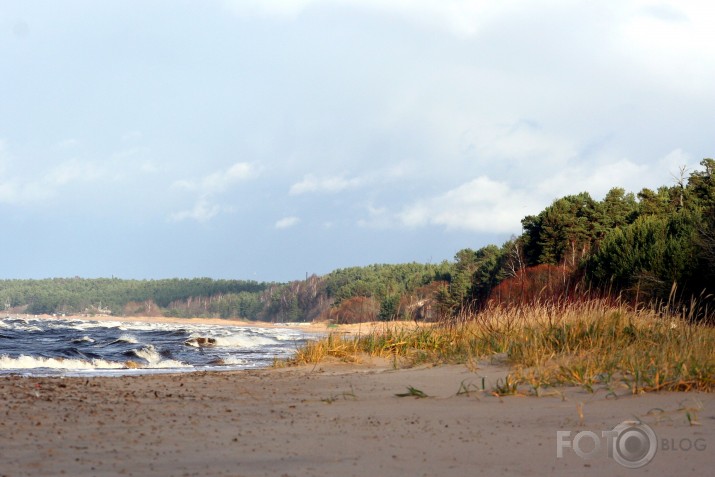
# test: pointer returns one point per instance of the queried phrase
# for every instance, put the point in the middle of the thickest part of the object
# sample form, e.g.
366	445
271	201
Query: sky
270	139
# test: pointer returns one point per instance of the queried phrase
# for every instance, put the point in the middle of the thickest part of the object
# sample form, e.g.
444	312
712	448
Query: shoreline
312	327
179	321
330	419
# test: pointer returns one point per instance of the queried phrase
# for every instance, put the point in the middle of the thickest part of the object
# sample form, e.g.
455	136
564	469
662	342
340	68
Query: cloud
71	171
311	183
220	181
210	186
379	217
39	186
485	204
480	205
202	211
287	222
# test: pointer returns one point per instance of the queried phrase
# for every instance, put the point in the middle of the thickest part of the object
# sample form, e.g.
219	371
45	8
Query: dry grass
593	344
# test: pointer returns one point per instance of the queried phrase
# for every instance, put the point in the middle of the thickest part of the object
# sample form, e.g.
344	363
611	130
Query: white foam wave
32	362
84	339
155	360
288	335
233	360
243	341
125	338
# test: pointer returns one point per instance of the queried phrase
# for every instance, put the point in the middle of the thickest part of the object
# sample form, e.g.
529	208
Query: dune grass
593	344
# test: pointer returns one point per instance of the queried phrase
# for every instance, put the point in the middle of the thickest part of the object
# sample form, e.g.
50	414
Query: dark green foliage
382	281
389	308
668	253
473	276
243	304
701	185
564	231
78	295
649	255
662	202
617	209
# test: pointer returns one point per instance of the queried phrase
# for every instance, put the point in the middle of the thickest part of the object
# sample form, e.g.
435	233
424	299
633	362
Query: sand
312	327
331	420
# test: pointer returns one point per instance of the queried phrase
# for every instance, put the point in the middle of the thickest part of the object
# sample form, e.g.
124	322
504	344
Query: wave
229	361
230	341
154	358
126	339
32	362
70	346
84	339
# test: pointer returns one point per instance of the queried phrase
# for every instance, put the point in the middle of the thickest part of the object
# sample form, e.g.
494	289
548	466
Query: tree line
654	246
111	295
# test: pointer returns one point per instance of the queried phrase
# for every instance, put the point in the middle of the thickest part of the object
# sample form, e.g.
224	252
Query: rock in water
201	342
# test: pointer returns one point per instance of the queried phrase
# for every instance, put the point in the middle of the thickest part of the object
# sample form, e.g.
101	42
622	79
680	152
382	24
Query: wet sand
330	420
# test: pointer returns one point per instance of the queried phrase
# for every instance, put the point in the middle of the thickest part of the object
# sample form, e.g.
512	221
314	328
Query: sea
69	347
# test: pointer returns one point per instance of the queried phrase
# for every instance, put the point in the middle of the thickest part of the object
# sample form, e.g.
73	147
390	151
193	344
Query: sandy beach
332	419
312	327
193	321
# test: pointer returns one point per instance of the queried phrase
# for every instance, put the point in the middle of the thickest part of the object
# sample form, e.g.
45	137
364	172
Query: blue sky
264	140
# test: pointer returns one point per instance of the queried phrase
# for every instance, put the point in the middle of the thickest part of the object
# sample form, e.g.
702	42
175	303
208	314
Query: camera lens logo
633	444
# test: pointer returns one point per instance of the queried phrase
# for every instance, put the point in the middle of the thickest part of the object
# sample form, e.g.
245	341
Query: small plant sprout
412	392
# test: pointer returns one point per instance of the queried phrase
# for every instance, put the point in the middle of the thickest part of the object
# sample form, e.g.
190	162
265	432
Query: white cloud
311	183
594	179
480	205
378	217
32	188
208	187
287	222
203	211
488	205
73	170
219	181
597	177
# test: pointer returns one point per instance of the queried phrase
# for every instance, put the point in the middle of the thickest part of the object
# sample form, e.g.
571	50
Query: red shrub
358	309
537	284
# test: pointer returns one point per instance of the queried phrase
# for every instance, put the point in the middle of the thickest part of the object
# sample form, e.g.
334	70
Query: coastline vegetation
594	344
597	293
651	247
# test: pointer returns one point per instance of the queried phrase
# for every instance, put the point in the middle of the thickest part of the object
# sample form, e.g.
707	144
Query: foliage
593	343
649	255
657	245
357	309
111	295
